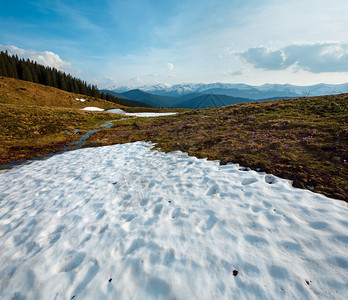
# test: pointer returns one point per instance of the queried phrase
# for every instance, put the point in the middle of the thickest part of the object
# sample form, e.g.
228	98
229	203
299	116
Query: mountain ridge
189	95
151	99
186	88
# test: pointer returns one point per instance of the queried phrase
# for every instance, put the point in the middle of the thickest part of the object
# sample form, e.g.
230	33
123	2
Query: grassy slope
14	91
27	132
18	92
36	120
303	139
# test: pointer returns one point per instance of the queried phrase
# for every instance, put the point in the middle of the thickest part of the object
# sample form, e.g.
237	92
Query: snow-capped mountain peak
241	90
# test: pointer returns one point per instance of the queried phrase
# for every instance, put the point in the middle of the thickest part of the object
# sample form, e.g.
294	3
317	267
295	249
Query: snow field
149	114
125	222
92	108
122	112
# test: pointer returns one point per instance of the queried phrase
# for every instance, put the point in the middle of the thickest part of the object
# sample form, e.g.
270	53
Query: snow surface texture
125	222
82	100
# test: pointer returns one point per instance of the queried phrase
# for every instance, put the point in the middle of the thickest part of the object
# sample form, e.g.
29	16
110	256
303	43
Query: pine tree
54	77
94	91
3	71
20	69
26	75
14	67
46	77
61	82
69	84
33	71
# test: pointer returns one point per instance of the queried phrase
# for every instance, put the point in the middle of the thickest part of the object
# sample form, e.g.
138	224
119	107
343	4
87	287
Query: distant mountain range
200	95
127	101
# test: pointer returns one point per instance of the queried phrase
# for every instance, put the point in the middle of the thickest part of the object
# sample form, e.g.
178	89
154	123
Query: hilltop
20	92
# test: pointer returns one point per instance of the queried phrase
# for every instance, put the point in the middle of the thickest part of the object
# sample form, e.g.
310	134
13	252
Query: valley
303	139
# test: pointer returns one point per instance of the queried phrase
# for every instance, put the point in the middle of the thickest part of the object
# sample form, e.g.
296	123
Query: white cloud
236	73
45	58
264	58
315	58
106	82
202	50
170	66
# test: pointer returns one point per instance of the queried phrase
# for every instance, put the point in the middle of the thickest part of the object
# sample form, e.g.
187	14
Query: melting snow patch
125	222
116	111
144	114
91	108
139	114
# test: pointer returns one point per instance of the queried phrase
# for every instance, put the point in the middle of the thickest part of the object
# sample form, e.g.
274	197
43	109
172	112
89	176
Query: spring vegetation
36	120
304	140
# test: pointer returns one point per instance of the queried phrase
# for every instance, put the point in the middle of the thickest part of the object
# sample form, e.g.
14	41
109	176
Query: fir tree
26	75
61	82
3	71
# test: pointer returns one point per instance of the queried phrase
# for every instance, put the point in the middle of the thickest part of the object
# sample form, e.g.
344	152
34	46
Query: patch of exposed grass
27	132
303	139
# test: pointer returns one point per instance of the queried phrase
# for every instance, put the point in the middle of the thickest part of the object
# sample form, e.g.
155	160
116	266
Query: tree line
12	66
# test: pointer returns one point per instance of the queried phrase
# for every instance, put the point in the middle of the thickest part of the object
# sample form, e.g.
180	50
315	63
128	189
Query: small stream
82	140
73	146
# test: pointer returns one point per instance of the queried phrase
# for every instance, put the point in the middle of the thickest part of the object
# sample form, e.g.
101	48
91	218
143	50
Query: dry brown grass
27	132
36	120
19	92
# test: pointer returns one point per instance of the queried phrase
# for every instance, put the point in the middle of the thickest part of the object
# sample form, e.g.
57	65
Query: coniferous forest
12	66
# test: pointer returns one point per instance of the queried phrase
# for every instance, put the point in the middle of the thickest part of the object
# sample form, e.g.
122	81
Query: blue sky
141	42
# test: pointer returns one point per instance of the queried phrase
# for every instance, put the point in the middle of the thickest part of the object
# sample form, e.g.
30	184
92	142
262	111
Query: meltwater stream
82	140
73	146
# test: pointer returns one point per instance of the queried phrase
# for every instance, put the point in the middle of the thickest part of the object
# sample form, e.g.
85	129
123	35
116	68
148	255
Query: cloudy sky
139	42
